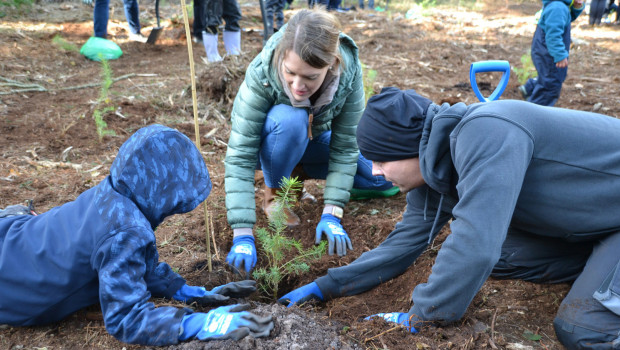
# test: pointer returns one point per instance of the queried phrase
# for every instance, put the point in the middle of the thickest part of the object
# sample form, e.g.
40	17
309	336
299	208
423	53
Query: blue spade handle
489	66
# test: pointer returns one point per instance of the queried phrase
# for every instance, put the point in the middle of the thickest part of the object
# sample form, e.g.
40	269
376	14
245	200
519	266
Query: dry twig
382	333
40	88
50	164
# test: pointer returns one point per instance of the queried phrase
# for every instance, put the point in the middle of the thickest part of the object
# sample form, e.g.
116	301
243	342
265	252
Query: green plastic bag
97	49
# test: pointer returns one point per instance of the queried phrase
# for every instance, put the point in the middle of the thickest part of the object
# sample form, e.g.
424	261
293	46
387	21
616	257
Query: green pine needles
104	101
278	248
20	5
63	44
527	70
369	77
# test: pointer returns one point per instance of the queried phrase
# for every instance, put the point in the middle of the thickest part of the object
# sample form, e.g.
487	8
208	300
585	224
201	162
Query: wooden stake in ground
196	128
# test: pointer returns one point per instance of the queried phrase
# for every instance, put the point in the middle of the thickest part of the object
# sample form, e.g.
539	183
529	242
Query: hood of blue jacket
162	172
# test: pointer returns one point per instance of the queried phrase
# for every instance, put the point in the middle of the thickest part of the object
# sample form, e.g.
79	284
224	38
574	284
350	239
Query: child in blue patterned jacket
100	248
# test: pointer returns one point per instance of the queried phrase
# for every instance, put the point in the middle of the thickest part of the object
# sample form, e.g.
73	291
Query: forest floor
51	152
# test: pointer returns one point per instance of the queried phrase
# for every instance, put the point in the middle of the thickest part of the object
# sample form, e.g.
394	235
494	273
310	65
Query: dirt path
51	152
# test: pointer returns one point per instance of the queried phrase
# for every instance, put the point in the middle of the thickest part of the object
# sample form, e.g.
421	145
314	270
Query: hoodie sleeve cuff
242	231
329	288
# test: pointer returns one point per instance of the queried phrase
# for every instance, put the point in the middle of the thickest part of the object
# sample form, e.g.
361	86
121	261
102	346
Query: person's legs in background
589	316
548	84
231	13
546	88
270	9
101	16
371	4
101	13
526	89
597	7
132	13
213	18
200	8
333	5
612	11
279	14
321	2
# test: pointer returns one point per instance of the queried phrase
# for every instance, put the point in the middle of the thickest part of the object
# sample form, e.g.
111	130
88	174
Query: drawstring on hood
435	154
430	234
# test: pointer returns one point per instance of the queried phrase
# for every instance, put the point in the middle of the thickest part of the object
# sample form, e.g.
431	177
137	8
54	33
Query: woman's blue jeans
285	143
101	15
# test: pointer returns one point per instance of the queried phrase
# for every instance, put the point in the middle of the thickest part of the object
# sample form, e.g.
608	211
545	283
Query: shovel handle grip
489	66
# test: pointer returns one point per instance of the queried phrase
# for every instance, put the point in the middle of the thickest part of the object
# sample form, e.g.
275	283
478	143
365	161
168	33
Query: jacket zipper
310	119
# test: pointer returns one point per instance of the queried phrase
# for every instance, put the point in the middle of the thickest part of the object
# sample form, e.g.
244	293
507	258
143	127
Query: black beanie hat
391	126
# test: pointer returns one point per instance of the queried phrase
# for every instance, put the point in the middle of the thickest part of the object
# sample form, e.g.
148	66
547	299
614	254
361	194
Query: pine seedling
528	70
64	44
369	77
100	124
106	77
278	248
21	5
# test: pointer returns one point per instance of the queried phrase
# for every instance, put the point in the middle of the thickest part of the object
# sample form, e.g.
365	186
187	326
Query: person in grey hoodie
533	193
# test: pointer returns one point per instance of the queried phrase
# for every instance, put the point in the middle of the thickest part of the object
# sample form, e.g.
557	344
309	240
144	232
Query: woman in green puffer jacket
296	114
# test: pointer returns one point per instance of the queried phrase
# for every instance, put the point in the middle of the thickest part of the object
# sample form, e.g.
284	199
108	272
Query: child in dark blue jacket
100	248
550	48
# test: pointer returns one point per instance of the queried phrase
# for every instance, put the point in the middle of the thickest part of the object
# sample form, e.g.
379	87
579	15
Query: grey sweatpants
582	322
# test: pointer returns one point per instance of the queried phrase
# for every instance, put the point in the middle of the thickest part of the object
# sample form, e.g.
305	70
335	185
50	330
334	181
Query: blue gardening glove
190	294
401	318
17	209
225	322
217	295
301	295
242	254
239	289
336	235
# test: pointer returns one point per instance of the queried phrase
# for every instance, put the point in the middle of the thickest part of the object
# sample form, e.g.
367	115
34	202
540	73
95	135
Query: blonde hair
314	36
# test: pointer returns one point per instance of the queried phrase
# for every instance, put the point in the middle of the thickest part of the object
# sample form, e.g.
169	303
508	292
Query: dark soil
50	152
